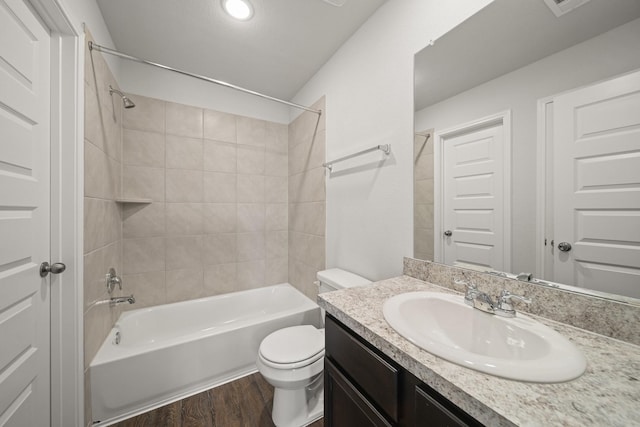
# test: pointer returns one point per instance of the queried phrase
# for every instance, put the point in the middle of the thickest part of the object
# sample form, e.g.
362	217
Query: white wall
153	82
87	12
368	85
609	54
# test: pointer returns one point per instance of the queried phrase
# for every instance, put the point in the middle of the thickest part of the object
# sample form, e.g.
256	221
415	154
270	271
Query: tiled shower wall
307	196
217	217
102	220
186	202
423	195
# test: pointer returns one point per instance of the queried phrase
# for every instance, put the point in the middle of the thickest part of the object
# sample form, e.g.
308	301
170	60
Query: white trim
541	182
67	355
438	191
503	118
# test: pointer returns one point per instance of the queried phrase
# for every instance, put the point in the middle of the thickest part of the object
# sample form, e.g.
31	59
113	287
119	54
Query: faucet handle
506	296
113	280
505	306
471	293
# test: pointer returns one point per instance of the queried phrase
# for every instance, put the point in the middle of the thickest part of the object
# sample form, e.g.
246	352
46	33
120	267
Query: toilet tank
336	278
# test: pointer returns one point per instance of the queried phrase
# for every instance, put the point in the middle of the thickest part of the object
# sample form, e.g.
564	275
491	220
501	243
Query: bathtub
168	352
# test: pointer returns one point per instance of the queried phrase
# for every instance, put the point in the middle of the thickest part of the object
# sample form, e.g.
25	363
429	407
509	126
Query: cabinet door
429	412
345	406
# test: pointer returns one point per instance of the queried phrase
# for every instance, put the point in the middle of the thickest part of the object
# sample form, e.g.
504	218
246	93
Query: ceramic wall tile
276	164
220	218
143	255
251	160
184	153
219	248
306	196
143	182
220	187
276	189
276	216
94	219
93	129
251	131
95	176
184	186
184	252
251	217
277	138
183	120
184	219
220	156
143	220
219	126
251	246
276	271
149	289
251	189
220	278
148	115
251	274
184	285
276	244
142	148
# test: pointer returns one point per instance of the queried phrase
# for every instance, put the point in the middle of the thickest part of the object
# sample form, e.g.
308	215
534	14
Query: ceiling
514	34
276	52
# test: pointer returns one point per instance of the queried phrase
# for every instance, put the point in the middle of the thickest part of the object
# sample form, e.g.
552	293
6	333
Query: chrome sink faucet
483	302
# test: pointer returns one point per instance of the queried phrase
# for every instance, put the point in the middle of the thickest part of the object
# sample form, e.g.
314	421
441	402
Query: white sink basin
518	348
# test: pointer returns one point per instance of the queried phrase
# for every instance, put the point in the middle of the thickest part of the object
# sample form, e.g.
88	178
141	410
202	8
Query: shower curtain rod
103	49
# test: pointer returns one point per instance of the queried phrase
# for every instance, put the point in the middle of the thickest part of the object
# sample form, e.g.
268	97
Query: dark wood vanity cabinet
363	388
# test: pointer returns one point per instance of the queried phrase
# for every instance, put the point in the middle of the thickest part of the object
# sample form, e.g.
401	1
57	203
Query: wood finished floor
246	402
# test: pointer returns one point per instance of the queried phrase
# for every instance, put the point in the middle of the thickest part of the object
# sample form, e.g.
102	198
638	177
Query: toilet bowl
292	361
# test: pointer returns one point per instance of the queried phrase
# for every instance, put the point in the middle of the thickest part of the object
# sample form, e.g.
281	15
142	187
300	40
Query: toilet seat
293	347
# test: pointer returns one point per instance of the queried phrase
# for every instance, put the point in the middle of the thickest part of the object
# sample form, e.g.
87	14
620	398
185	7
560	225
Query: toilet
292	361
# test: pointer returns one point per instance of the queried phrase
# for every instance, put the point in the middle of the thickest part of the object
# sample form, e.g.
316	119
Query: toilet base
298	408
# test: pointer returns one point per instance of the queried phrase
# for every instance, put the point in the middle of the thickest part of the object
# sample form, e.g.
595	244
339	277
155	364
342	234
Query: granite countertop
607	394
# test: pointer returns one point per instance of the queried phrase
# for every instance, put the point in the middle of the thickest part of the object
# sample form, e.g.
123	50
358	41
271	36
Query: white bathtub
172	351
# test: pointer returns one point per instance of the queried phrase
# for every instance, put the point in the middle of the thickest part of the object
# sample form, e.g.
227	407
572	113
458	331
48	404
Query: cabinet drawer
377	378
345	405
432	409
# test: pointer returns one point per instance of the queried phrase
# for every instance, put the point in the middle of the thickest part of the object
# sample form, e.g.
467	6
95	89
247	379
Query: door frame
504	118
543	179
67	212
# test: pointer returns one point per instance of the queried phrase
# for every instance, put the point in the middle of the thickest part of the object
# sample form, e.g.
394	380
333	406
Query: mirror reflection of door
596	191
423	194
474	227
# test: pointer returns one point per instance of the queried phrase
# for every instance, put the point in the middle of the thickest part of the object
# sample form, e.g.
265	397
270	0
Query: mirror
498	77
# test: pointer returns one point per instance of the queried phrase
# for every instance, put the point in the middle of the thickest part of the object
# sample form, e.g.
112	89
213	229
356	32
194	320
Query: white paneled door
474	195
24	217
597	186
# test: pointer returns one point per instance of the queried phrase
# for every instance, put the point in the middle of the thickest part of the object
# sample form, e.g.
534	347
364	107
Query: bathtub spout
121	300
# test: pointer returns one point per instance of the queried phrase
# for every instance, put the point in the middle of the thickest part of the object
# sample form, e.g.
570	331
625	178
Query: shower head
126	102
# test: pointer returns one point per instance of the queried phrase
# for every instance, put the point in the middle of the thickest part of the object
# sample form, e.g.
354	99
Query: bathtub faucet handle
113	280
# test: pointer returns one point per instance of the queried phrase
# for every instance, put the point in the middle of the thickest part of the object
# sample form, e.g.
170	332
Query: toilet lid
294	344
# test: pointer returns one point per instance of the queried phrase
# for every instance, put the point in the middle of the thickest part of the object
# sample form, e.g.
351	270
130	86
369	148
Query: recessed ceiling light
238	9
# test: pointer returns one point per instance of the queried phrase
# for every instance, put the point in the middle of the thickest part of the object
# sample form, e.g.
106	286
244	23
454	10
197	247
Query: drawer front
345	405
434	410
377	378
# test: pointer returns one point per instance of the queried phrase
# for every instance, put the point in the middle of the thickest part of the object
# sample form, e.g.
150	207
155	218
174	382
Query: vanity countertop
607	394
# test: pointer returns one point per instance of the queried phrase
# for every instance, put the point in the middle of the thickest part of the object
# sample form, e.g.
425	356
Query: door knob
448	233
564	246
56	268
